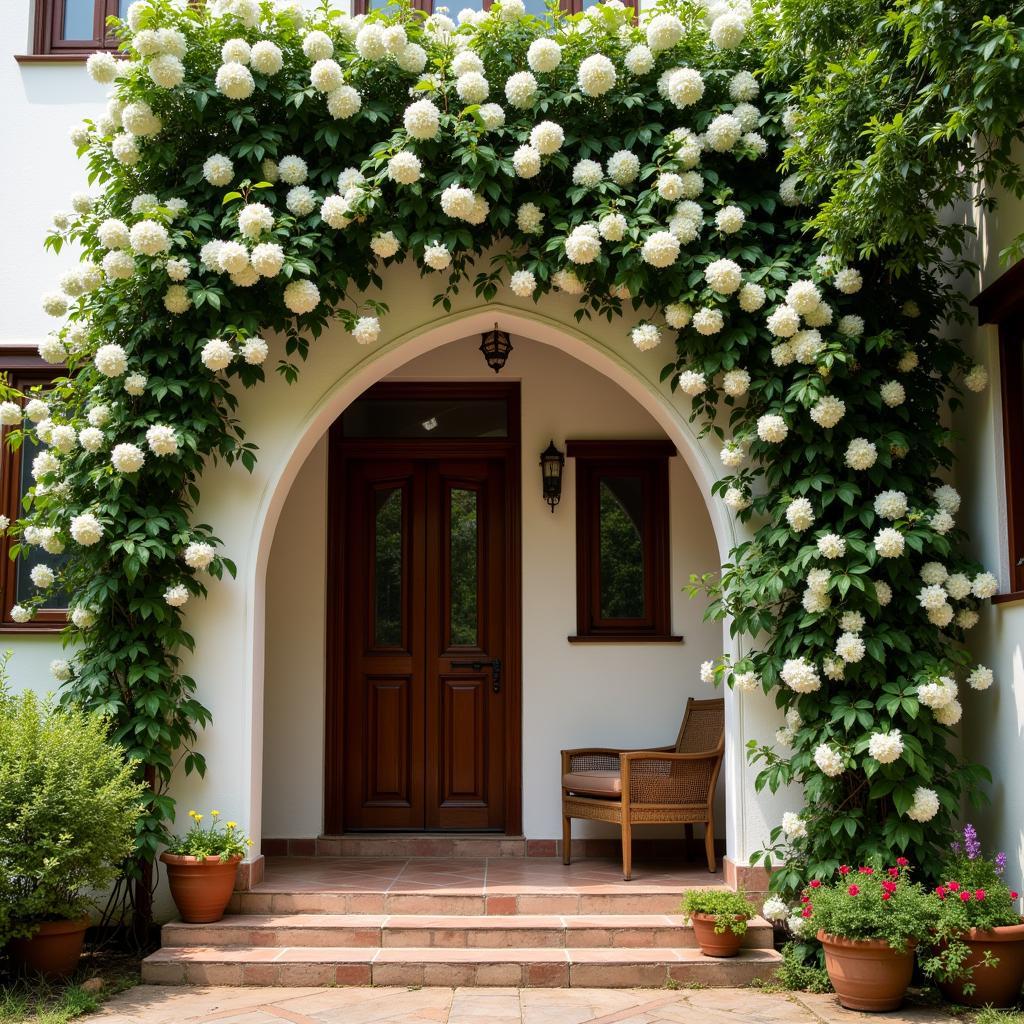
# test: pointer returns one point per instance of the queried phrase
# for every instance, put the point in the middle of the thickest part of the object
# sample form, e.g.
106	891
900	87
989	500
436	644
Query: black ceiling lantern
551	463
495	346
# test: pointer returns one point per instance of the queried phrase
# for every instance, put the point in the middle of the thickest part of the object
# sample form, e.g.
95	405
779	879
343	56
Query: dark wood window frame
24	369
648	461
47	42
1002	304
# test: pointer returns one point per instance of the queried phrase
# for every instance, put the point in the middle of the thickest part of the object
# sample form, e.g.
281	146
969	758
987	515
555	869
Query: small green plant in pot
201	867
69	806
869	921
979	956
719	918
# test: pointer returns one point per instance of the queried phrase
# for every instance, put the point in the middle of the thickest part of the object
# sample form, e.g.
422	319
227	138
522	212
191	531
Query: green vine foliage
825	384
905	109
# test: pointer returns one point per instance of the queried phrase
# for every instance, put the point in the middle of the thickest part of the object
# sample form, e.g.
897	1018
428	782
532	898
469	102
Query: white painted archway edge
286	421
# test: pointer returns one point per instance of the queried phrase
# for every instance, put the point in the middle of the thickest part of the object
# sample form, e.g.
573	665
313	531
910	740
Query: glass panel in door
387	568
463	533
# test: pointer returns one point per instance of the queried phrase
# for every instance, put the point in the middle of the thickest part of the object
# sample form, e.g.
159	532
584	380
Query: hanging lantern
495	346
551	463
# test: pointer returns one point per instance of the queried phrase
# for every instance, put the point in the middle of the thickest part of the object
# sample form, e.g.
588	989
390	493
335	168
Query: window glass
24	587
387	568
463	567
621	539
78	19
426	418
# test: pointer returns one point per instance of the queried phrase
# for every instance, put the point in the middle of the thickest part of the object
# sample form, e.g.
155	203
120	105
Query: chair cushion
596	782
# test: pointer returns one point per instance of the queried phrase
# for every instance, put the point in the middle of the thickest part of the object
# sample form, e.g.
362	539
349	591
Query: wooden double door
429	670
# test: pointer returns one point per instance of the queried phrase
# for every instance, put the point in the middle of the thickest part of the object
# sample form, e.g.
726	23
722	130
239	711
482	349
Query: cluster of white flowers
800	675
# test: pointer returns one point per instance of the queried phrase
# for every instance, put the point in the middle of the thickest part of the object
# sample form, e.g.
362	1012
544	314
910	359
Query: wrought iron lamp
551	463
495	346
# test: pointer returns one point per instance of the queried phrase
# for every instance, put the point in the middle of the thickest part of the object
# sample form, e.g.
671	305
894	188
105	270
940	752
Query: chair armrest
657	777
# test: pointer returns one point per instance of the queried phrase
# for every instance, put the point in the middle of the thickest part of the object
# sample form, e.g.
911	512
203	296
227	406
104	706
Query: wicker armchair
665	785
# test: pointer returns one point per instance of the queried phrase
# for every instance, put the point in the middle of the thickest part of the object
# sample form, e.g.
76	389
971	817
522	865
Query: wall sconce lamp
495	346
551	463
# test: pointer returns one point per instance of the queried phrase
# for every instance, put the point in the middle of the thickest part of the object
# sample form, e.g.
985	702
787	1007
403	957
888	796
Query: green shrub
69	805
731	910
801	969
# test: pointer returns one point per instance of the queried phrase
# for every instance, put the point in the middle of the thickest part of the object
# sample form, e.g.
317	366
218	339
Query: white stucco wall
993	722
573	694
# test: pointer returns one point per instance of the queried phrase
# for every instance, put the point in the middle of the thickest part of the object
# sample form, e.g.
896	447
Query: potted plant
201	867
69	805
978	958
869	921
719	918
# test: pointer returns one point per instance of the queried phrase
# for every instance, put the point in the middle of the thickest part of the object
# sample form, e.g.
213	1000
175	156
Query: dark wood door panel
423	697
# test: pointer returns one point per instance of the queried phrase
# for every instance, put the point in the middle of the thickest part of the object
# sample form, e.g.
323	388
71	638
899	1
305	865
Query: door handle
494	665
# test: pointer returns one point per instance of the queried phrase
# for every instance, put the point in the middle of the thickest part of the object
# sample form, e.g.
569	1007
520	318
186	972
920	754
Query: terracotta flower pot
866	973
998	985
201	887
711	943
54	950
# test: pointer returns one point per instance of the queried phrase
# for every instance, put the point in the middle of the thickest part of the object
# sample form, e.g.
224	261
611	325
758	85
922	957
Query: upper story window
622	541
74	28
1002	303
25	371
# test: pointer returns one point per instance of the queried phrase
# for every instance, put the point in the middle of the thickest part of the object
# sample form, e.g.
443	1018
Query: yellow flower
232	824
191	814
248	842
214	814
198	818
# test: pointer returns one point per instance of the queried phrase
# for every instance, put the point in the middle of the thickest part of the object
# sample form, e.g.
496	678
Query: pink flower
886	895
894	872
853	890
844	869
816	884
941	892
902	861
1013	895
965	896
979	894
866	871
953	886
807	911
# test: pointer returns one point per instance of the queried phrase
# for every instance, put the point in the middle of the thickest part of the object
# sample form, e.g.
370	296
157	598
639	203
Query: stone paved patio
158	1005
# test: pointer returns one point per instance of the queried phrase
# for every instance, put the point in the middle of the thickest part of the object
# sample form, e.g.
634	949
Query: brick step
653	931
631	899
402	844
545	967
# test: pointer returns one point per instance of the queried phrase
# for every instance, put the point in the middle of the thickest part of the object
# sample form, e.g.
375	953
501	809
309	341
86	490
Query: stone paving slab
149	1004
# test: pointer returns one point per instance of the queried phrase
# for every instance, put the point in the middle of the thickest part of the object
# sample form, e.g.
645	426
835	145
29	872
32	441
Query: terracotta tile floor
491	876
159	1005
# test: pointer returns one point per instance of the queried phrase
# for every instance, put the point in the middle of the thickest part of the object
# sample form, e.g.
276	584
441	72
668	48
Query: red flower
853	890
902	861
886	895
1013	895
816	884
866	871
807	911
889	887
965	896
941	892
894	872
804	898
952	886
979	894
844	869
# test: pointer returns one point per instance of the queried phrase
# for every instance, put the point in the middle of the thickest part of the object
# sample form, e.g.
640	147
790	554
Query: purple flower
971	843
956	847
1000	863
